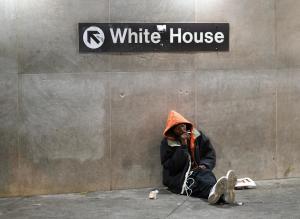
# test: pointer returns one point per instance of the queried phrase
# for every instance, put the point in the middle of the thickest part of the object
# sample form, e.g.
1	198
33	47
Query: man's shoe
217	190
231	181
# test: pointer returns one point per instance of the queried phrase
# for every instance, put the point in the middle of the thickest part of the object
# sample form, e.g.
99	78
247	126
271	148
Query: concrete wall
73	122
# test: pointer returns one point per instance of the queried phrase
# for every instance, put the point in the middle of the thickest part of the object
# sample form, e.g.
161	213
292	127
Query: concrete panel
170	11
237	111
8	132
8	52
152	11
127	11
288	126
140	105
145	62
252	33
64	133
48	35
288	33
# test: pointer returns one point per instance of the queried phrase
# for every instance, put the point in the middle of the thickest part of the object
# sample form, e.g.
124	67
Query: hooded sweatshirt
176	158
175	119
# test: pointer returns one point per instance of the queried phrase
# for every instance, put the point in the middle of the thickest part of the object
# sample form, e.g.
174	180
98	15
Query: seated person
188	158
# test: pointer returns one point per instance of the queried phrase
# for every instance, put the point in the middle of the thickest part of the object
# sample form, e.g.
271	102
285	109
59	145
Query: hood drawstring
186	186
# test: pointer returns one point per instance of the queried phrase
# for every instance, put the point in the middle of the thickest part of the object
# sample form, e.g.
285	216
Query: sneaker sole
219	190
231	181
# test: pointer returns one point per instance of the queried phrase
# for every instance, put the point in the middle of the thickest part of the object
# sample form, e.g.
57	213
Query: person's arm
209	154
173	159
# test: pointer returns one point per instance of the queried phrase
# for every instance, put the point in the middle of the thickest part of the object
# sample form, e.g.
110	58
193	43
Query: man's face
180	129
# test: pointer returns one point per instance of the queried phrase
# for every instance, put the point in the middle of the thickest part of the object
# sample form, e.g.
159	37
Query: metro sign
135	37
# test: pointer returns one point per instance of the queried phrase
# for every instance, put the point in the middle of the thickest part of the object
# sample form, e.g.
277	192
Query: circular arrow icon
93	37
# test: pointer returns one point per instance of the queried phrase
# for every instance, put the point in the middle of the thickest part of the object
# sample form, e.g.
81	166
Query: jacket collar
173	143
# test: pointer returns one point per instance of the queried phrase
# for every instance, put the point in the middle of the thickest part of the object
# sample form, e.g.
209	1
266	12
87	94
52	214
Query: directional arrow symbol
92	35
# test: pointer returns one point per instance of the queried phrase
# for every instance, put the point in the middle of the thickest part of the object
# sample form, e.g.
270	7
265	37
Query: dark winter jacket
176	159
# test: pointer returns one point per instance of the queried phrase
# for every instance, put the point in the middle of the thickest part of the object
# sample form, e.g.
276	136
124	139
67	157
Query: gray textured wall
73	122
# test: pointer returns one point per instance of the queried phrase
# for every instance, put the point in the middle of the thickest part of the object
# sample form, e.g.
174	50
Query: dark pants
204	180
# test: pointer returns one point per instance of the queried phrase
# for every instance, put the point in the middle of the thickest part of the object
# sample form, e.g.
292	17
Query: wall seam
276	133
195	75
19	95
196	97
275	36
276	90
109	11
110	109
170	71
110	125
196	11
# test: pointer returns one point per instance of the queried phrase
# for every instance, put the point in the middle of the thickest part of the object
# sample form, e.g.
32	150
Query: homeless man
188	159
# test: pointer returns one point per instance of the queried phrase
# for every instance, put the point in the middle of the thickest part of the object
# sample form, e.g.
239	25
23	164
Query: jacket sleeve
173	158
209	155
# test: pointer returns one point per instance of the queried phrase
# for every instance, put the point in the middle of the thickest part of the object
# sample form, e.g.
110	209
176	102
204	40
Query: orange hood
174	119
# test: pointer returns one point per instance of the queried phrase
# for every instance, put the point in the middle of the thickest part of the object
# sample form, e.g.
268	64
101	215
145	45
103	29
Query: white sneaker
217	190
231	181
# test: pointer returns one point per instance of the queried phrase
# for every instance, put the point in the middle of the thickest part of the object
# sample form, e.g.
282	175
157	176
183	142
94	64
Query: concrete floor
271	199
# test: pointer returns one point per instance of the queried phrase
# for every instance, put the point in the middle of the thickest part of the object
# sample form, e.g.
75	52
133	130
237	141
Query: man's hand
184	138
200	167
203	167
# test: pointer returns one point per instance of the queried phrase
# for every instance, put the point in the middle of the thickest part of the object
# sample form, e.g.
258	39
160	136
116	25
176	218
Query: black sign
147	37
